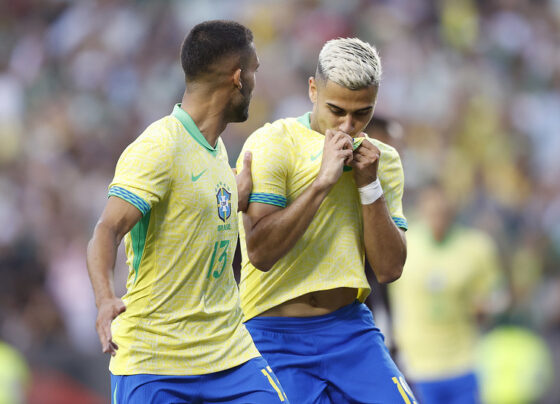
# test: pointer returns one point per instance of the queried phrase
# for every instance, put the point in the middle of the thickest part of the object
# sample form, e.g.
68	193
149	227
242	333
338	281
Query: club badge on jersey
223	198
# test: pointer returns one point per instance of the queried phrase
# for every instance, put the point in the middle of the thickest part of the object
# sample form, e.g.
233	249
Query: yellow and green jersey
434	302
183	314
286	159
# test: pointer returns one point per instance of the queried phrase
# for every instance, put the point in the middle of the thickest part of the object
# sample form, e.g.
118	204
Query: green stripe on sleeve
131	198
400	222
271	199
138	238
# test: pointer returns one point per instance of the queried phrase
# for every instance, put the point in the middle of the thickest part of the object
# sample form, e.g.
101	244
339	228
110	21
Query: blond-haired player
322	202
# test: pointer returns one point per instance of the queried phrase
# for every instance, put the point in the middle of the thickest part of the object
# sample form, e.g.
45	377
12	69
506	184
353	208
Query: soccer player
177	334
453	279
317	208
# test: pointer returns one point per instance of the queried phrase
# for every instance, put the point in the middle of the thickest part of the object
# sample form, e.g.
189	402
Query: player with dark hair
325	196
177	334
385	130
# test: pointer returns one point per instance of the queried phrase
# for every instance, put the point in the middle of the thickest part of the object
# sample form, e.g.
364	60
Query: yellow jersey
15	376
183	314
433	303
330	254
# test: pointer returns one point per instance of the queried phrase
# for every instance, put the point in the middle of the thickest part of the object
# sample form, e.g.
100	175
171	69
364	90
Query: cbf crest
223	199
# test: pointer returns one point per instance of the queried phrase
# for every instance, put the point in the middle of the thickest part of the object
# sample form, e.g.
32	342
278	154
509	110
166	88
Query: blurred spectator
452	279
514	365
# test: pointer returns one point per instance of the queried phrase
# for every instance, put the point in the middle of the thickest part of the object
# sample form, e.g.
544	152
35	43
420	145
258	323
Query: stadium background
474	84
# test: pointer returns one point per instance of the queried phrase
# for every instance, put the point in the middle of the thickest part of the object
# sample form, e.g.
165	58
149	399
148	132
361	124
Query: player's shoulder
161	132
476	238
156	139
390	165
158	131
387	151
164	129
277	132
278	128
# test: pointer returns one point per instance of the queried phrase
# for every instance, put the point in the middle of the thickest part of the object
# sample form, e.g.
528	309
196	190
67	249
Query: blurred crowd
475	86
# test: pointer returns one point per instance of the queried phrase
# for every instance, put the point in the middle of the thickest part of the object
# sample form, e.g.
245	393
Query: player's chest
307	161
307	158
205	186
443	271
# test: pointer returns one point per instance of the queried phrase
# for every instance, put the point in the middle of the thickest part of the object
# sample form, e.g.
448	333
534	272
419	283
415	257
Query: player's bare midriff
314	303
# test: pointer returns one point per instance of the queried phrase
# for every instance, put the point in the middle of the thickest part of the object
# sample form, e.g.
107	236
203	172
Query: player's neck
313	124
207	112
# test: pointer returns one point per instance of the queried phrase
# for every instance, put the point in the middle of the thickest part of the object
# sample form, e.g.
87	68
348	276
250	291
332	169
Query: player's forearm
101	257
385	243
273	236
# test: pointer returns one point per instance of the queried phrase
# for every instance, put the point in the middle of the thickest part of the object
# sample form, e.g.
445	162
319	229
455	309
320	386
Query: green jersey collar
192	129
305	120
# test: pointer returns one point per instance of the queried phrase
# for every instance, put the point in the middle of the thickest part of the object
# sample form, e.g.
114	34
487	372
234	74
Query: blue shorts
337	358
455	390
250	383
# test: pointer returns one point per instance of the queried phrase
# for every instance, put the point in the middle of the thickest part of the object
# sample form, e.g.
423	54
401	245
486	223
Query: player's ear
237	79
312	90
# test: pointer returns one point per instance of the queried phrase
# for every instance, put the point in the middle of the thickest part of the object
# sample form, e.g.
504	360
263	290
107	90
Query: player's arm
489	290
272	231
244	183
385	243
117	219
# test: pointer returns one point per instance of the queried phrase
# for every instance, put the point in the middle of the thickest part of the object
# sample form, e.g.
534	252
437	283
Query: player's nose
346	125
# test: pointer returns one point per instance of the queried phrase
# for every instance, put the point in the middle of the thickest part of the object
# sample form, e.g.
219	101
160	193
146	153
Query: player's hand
365	163
337	152
108	310
244	182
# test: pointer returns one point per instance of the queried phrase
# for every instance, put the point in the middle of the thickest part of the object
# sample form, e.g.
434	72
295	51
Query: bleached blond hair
349	62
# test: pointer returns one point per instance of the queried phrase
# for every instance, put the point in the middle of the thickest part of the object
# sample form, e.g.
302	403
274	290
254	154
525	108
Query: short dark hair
379	122
385	124
209	41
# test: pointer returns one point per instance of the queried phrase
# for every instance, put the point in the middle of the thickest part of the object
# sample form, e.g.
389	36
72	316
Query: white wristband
371	192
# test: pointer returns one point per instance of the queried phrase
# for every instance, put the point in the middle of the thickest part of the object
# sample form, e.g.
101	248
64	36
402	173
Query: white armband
371	192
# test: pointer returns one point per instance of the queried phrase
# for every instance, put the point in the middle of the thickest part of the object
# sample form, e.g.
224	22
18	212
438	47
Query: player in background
317	209
177	334
386	130
453	280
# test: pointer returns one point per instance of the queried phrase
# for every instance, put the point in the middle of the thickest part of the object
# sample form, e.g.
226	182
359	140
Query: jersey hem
115	370
252	311
430	375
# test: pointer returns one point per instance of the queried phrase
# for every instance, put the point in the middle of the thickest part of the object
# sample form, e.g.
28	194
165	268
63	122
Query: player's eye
362	112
